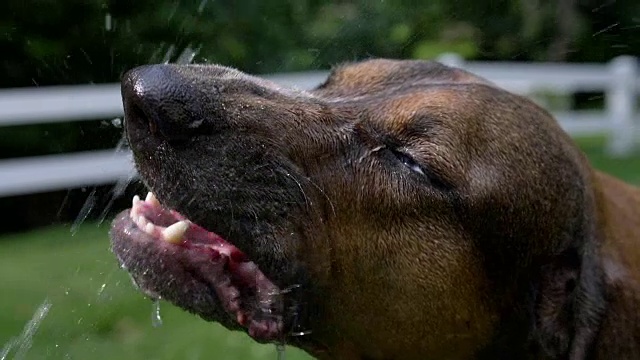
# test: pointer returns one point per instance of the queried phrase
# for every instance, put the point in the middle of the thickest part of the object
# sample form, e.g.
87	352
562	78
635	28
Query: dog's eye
408	161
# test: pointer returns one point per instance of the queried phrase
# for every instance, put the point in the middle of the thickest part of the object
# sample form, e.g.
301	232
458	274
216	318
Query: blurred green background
95	313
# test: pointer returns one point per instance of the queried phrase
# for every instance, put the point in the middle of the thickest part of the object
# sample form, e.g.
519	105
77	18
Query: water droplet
156	319
167	56
301	332
102	289
108	22
203	3
84	211
187	55
117	122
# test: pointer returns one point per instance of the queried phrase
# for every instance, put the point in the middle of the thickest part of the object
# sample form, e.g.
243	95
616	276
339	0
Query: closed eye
408	161
426	173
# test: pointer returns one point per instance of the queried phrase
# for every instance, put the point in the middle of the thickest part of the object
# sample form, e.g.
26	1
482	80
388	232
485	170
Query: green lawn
96	313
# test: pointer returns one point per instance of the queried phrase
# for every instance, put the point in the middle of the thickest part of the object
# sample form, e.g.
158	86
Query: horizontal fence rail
619	80
55	172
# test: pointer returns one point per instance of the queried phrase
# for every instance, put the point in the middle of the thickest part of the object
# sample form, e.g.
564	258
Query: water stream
23	342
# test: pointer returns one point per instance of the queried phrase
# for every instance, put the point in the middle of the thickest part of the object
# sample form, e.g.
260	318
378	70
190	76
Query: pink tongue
198	235
228	277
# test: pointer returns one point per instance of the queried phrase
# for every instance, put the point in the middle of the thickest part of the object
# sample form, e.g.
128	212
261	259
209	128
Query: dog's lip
243	290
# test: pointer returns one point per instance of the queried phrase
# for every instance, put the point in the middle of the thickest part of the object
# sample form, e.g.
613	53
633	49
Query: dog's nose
159	102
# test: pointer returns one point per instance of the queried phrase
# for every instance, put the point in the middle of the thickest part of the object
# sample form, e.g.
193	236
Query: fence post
620	104
451	59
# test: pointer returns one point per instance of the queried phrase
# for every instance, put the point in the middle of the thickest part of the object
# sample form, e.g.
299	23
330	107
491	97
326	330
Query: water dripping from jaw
297	328
156	319
280	350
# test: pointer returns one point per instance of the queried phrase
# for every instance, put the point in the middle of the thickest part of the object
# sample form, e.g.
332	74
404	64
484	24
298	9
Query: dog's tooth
149	228
142	221
135	206
151	199
175	232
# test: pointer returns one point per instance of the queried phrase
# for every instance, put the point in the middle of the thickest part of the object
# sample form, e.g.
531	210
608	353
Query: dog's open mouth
185	252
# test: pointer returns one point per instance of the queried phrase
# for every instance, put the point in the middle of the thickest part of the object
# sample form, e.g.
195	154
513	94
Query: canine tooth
151	199
149	228
175	232
136	199
142	221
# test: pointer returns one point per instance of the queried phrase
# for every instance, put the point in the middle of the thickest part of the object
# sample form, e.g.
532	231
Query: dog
400	210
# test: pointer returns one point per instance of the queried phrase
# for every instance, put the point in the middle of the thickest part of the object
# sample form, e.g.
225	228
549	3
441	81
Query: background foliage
53	42
49	42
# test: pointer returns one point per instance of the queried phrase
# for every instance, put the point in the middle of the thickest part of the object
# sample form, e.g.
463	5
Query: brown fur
510	246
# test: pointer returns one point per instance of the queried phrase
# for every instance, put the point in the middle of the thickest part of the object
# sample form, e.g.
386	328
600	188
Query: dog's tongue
241	287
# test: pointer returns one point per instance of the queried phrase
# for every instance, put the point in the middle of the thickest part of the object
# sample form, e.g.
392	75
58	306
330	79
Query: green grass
97	314
626	168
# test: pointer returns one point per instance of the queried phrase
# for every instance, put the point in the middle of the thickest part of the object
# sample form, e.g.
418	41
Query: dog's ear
569	300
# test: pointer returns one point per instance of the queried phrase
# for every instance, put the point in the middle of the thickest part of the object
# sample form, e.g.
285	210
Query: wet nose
158	102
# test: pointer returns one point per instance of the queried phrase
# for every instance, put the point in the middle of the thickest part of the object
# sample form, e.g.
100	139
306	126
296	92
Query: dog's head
402	207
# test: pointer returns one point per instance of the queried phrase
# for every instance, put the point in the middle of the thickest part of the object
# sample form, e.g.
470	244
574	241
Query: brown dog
401	210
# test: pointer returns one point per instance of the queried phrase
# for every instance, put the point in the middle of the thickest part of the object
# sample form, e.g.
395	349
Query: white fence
619	120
